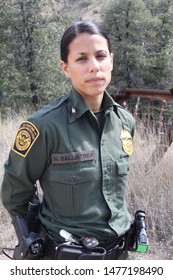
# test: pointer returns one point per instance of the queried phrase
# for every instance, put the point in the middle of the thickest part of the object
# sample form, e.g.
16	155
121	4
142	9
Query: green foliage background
30	30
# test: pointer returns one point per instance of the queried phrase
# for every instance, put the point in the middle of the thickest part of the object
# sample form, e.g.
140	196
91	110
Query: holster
21	252
30	244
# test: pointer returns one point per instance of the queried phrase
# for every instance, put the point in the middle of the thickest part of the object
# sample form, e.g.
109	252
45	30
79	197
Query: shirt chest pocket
76	173
70	184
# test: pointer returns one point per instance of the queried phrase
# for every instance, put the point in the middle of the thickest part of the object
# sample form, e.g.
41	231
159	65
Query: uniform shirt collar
77	106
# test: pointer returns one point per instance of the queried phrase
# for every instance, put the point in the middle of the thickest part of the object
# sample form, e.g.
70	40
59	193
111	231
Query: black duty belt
114	247
53	250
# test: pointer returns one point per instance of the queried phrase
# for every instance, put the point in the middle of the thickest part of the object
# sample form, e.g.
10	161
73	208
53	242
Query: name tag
73	157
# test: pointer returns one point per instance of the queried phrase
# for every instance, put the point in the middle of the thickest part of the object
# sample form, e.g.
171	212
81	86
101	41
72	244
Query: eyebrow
82	53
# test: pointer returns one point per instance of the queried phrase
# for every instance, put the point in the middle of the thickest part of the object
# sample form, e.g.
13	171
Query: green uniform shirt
82	168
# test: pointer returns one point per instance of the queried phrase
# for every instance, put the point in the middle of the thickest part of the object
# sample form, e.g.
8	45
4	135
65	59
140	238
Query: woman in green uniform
78	149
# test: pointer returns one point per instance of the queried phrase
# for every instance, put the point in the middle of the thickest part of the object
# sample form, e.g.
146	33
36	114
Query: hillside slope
84	9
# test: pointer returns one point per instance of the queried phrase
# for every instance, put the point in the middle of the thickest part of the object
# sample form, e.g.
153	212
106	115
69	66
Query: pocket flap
122	167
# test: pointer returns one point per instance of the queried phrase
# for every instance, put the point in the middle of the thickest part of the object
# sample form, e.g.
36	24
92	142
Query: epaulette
50	107
125	116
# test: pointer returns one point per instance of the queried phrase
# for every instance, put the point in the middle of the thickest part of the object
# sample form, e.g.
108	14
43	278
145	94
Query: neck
94	103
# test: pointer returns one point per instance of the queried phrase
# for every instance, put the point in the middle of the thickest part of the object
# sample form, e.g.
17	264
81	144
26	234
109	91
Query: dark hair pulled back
74	30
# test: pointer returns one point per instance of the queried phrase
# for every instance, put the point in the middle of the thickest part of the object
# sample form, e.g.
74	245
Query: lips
95	80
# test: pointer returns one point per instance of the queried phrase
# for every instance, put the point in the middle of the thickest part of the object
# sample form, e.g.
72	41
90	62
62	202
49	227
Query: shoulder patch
25	138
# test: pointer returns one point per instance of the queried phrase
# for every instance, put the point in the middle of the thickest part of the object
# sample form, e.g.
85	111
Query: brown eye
81	59
101	56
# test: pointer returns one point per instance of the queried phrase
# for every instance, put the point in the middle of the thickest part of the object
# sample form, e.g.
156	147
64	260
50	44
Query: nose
94	65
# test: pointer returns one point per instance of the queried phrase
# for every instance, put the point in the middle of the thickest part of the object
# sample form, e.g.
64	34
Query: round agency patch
25	138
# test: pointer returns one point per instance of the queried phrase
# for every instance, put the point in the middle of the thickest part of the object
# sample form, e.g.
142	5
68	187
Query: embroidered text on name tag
73	157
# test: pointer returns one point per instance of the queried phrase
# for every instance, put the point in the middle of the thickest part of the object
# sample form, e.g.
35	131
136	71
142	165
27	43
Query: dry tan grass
151	192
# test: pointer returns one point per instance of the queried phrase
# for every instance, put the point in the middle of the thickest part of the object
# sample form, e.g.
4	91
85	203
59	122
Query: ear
64	67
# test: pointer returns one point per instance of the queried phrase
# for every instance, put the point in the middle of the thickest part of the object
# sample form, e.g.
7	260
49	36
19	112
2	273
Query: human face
89	64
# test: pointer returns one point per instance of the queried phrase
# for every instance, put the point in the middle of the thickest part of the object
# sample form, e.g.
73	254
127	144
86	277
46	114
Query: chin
99	91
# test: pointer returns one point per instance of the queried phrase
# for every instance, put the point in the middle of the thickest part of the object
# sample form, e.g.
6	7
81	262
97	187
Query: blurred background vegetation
140	31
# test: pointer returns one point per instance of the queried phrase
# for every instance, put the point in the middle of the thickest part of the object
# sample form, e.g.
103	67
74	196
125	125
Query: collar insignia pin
73	110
